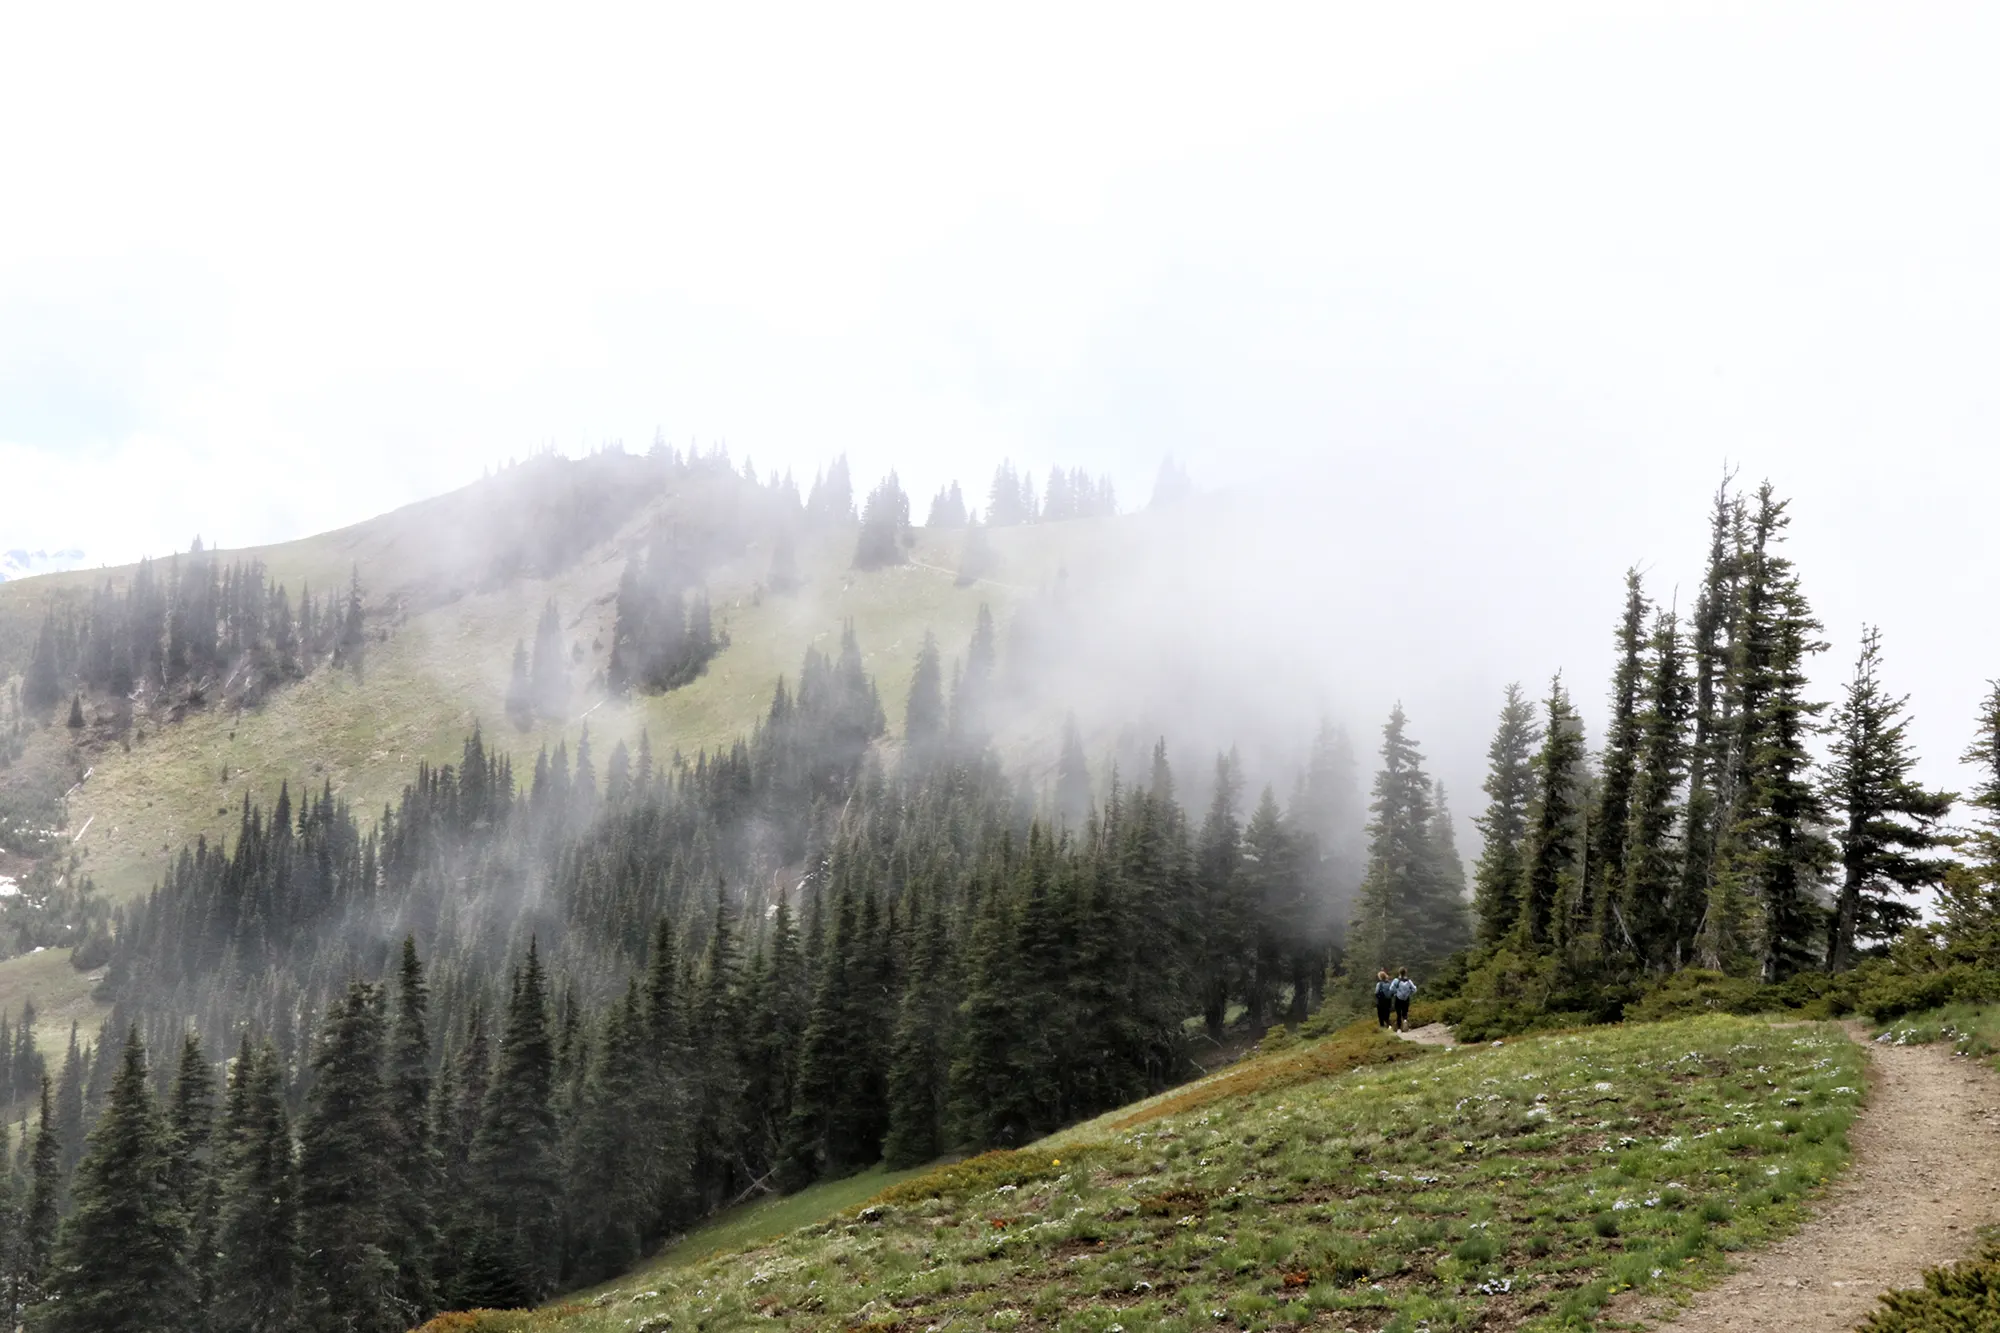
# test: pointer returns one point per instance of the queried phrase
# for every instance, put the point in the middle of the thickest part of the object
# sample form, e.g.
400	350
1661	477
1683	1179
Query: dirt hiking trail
1924	1176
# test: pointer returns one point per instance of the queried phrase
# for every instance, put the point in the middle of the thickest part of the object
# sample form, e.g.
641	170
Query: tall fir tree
1890	827
1649	914
1550	886
516	1157
1763	911
924	719
1326	815
42	1214
1222	909
1509	787
1969	900
1604	864
1072	793
346	1183
414	1172
606	1207
258	1264
1406	915
121	1260
191	1157
919	1052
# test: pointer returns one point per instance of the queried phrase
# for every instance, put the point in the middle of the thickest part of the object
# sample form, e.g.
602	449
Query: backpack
1385	989
1402	988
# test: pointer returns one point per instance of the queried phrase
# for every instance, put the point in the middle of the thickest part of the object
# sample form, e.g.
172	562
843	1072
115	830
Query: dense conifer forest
513	1032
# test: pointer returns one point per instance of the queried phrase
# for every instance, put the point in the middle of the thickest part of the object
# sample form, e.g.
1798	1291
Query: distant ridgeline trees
1703	833
1072	493
885	526
521	1027
194	622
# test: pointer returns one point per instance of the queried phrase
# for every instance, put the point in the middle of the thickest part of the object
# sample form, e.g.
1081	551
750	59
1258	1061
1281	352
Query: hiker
1384	997
1400	990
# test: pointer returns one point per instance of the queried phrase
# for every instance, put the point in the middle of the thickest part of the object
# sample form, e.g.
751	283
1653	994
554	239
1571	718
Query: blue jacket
1402	988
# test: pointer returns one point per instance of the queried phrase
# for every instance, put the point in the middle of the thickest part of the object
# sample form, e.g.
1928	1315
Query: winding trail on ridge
1924	1177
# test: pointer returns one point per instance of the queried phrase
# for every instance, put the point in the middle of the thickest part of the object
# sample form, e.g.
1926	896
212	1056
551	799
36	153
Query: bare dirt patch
1924	1177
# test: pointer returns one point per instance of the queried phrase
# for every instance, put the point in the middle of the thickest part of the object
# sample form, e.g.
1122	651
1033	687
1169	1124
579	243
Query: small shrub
478	1321
1891	993
1478	1248
1964	1298
1277	1038
1696	991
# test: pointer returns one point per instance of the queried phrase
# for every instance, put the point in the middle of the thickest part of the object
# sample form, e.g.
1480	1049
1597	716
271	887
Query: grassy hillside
61	995
445	627
1493	1188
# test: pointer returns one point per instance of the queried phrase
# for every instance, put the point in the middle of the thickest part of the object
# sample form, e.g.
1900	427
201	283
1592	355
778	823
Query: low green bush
1696	991
1964	1298
1891	992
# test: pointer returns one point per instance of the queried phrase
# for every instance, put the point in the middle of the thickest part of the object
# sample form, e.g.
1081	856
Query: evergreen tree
972	694
667	1162
1763	910
1888	821
976	558
548	671
1453	928
42	685
996	1090
1550	887
1969	900
1326	817
258	1263
607	1205
190	1129
1072	777
516	1163
948	509
1405	913
831	500
1172	486
784	575
121	1261
520	692
1648	911
924	718
353	641
885	526
919	1052
346	1182
1274	886
1604	864
1711	777
1499	879
40	1218
69	1105
414	1167
1222	912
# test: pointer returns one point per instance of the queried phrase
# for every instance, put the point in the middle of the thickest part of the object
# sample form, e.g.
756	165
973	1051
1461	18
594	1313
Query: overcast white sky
1511	281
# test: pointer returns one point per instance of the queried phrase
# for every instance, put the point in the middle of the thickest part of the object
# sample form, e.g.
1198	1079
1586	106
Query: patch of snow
19	564
8	886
